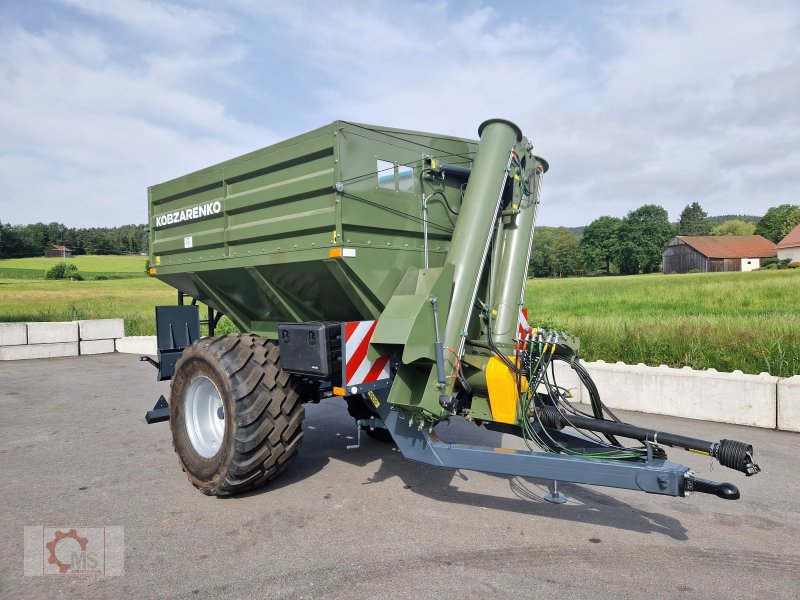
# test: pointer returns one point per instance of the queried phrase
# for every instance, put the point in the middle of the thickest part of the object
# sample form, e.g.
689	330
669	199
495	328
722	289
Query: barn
789	247
716	253
58	252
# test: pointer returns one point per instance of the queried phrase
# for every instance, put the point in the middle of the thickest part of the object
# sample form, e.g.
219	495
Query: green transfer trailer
386	267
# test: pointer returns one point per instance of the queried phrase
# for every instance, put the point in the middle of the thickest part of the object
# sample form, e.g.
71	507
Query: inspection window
386	175
392	176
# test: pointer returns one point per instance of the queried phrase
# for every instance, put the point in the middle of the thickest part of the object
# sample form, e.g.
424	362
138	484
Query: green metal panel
261	253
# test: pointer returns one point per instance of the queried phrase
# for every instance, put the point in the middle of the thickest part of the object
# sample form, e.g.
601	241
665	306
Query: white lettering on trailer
189	214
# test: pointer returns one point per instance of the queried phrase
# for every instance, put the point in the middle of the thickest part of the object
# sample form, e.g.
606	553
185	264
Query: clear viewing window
386	177
405	179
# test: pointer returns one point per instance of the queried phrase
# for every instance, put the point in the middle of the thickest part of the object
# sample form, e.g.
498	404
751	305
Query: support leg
554	496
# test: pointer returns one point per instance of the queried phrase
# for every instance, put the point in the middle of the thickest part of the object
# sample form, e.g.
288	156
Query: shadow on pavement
329	429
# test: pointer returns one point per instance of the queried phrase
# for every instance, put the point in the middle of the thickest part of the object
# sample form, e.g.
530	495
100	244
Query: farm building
715	253
57	252
789	247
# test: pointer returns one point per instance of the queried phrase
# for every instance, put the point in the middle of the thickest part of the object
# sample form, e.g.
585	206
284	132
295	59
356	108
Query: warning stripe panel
358	369
522	324
379	370
358	344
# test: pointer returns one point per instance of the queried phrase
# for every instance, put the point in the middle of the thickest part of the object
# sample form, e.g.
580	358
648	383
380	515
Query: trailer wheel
235	414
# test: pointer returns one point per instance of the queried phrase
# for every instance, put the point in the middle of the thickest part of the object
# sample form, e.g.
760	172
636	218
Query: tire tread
268	407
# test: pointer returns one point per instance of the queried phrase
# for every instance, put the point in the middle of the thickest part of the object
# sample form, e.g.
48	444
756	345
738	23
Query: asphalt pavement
366	523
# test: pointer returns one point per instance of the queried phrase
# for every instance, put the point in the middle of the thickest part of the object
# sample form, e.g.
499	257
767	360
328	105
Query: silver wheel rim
205	417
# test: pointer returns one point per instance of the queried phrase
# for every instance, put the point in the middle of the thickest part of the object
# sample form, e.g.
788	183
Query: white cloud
165	23
636	103
630	102
85	133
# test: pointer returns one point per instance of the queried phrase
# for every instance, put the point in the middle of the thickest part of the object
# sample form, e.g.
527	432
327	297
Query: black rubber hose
594	395
628	431
730	453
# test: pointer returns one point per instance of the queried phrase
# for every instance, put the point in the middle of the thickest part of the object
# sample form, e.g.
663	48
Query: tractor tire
235	415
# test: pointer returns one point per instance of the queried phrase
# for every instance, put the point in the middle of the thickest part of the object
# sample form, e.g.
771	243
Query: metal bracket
176	328
159	413
155	363
372	423
357	445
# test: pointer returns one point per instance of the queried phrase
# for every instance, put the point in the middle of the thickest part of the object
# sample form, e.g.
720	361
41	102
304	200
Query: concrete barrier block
39	351
13	334
101	329
722	397
96	346
139	344
52	333
789	404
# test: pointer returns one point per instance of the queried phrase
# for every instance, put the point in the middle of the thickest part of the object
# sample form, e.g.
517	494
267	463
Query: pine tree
693	221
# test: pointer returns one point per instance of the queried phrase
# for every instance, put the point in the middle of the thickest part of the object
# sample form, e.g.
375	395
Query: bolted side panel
270	202
253	236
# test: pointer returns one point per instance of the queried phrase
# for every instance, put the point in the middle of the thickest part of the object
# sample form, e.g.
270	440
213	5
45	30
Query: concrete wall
789	404
140	344
13	334
755	400
19	341
708	395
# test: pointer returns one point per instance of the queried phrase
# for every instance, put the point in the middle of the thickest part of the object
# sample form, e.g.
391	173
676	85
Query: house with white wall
789	247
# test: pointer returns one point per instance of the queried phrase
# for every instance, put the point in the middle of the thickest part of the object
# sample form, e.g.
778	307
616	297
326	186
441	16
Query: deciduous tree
643	234
778	221
734	227
565	255
556	252
599	243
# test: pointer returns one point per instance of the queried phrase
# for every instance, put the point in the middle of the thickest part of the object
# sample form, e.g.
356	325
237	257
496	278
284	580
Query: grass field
42	300
90	267
746	321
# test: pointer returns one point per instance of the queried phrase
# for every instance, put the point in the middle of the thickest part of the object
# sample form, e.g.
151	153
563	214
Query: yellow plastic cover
503	393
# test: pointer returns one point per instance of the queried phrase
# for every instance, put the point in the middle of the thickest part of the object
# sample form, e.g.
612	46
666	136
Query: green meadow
90	267
726	321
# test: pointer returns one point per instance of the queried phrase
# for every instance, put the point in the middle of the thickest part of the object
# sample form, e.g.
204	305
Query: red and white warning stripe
523	327
358	369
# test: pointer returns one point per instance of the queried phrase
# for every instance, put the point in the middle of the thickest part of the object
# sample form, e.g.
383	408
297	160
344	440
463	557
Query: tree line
633	244
607	245
20	241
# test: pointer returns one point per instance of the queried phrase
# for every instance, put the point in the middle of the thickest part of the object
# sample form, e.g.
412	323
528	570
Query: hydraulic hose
730	453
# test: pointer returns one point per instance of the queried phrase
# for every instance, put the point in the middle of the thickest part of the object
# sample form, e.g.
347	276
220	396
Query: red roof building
789	247
57	252
715	253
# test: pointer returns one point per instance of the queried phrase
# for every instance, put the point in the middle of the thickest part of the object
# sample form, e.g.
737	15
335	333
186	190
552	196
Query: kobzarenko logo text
189	214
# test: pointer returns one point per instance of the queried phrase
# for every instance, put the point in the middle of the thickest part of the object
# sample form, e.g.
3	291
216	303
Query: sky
664	102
